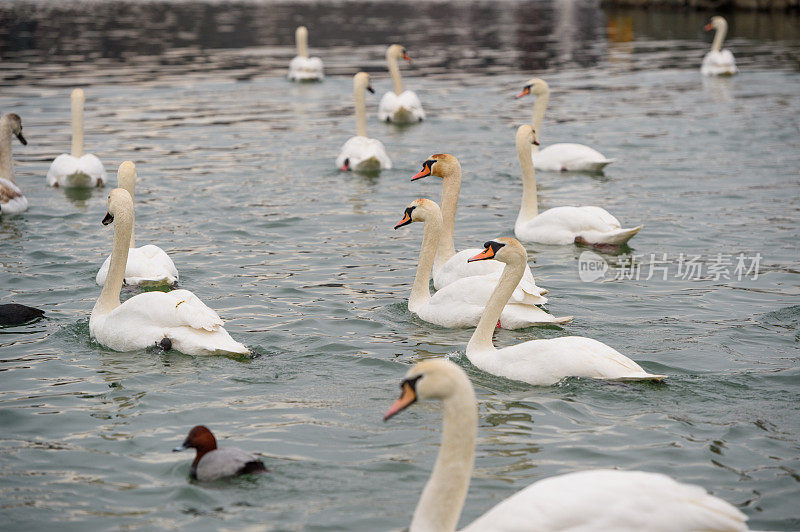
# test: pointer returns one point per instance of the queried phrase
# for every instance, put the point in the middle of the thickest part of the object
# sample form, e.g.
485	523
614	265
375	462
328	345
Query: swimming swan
361	153
302	67
718	62
172	320
147	265
399	106
589	501
12	201
77	169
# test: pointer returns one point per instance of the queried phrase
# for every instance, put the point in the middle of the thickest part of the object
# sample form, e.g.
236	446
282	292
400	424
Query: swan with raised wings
362	153
561	157
147	265
718	62
302	67
589	501
561	225
172	320
12	201
399	106
76	169
461	303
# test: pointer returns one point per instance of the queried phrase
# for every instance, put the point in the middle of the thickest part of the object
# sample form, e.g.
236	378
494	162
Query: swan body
147	265
12	200
718	62
561	225
564	157
399	106
302	67
76	169
539	362
362	153
174	320
212	462
461	303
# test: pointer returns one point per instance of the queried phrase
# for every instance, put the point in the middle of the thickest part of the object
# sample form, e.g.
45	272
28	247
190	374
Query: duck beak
422	173
405	221
179	448
370	89
525	92
708	27
22	139
108	218
407	397
487	253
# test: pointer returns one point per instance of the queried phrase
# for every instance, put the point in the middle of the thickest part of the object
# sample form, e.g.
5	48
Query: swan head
440	165
77	96
716	23
199	438
506	249
396	51
535	86
436	378
119	202
361	81
14	123
526	134
301	33
419	211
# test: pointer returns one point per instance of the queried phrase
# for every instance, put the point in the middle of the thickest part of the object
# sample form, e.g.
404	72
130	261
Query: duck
302	67
147	265
12	200
562	157
589	500
399	106
16	314
587	225
362	153
540	362
76	169
718	62
213	463
450	266
461	303
176	320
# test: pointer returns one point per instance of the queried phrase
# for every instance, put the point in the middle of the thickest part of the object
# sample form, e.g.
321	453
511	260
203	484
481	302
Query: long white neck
394	70
443	498
109	297
451	187
529	207
301	39
77	122
6	157
482	336
421	291
719	36
126	178
361	109
539	107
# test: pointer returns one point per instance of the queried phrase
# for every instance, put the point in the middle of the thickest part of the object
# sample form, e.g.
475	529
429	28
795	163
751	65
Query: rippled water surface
237	184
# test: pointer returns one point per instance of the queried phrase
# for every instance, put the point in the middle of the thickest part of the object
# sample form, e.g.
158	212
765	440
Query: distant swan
170	320
360	152
77	169
399	106
302	67
563	157
147	265
718	62
12	201
588	501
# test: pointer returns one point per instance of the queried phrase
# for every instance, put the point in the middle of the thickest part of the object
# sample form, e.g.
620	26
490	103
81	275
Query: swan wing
364	153
146	265
305	68
177	308
563	225
69	171
405	107
568	157
12	201
718	64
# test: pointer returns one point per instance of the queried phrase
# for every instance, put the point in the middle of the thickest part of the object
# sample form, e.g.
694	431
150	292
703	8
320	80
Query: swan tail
616	237
203	342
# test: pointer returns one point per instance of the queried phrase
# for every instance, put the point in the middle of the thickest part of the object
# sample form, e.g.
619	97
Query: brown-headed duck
211	463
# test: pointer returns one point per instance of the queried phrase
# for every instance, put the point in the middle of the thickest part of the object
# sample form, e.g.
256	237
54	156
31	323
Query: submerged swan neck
482	336
109	297
719	36
394	70
359	88
301	40
421	292
126	179
77	100
539	107
6	157
529	208
451	187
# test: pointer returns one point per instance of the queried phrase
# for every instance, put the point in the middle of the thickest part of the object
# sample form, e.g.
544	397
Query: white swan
172	320
461	303
399	106
302	67
587	501
562	157
718	62
147	265
360	152
561	225
12	201
77	169
450	266
539	362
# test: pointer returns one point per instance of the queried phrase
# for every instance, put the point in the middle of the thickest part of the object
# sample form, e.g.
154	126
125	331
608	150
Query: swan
562	157
360	152
539	362
399	106
12	201
212	462
450	266
172	320
718	62
589	501
77	169
302	67
461	303
147	265
561	225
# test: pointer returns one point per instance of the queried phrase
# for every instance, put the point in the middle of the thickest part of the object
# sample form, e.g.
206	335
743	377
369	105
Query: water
237	184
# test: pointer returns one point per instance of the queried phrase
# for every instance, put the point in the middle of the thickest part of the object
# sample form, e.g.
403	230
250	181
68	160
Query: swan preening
593	500
461	303
718	62
12	201
399	106
539	362
561	225
76	169
148	265
172	320
360	152
562	157
302	67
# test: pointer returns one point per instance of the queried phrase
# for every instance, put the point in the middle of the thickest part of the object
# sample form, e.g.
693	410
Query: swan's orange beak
487	253
426	171
708	27
407	397
405	221
525	92
406	57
